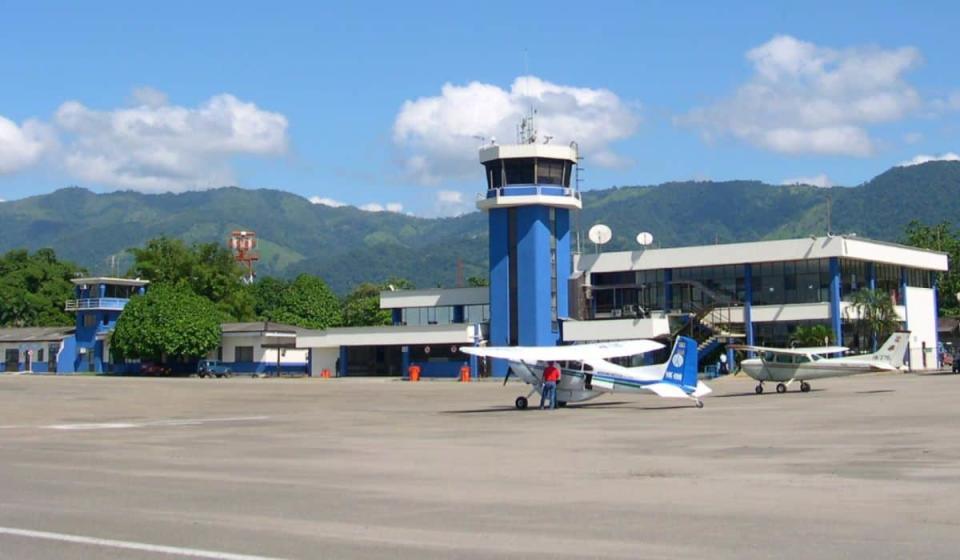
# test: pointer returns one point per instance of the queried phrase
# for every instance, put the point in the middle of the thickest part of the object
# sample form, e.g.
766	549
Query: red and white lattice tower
243	243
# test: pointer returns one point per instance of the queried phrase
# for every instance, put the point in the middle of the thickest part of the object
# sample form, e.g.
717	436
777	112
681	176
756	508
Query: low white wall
614	329
260	354
922	324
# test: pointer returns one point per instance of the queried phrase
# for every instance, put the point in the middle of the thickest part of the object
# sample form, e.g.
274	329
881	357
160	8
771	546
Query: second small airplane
787	365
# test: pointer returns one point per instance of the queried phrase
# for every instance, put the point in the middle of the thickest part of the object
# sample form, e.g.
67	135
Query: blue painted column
748	304
936	313
564	263
533	277
397	316
872	284
667	289
343	362
835	319
458	314
499	331
102	290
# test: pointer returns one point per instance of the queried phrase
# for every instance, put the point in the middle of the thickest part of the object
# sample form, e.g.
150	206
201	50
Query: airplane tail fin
894	349
682	367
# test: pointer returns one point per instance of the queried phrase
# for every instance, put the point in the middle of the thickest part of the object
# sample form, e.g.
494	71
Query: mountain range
346	246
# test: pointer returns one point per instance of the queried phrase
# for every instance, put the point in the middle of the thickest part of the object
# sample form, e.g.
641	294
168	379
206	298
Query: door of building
11	359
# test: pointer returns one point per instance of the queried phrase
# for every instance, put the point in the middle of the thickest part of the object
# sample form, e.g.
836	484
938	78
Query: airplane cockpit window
784	359
769	356
802	359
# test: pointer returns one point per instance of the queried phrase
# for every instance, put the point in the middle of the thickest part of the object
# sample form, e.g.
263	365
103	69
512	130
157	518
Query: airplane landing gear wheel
805	387
521	403
561	404
781	388
759	390
699	404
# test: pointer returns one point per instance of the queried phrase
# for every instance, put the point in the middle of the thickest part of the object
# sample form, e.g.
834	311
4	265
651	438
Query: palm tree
875	315
813	335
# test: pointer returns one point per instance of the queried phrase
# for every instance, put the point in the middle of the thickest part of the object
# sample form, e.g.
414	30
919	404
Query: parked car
153	368
213	368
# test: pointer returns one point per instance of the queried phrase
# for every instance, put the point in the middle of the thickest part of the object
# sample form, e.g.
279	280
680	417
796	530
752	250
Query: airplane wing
575	352
816	351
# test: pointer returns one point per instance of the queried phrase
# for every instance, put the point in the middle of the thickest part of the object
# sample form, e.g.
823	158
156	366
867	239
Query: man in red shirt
551	376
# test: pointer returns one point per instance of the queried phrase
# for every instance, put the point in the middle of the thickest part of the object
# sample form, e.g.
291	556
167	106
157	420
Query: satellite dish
645	238
600	234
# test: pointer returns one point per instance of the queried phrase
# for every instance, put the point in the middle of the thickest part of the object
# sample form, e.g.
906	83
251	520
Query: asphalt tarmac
245	469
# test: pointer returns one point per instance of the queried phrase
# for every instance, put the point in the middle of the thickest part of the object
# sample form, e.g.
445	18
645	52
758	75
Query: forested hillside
347	246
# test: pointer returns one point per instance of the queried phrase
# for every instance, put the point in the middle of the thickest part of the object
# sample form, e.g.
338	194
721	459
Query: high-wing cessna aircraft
786	365
588	373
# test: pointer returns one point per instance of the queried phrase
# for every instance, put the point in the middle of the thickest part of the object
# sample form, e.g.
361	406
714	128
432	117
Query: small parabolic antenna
644	238
599	234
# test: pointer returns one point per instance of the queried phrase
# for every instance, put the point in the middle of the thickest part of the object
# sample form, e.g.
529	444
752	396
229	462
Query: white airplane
786	365
593	375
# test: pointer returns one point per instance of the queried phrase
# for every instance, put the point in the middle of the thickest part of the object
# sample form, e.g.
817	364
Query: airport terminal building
754	293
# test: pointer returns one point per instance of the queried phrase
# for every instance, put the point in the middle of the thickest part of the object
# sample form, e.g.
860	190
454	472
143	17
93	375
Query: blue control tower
529	199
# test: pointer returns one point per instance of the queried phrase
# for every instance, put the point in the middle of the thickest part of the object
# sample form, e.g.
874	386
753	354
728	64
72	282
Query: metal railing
95	303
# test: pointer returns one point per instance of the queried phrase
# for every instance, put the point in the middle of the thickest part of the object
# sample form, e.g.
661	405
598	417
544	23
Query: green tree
167	322
874	315
34	288
308	302
268	295
207	269
943	238
477	282
361	308
813	335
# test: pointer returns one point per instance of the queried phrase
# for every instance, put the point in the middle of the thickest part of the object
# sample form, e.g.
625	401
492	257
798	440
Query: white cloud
451	203
912	137
149	97
924	158
808	99
22	146
326	201
437	135
820	180
377	207
156	146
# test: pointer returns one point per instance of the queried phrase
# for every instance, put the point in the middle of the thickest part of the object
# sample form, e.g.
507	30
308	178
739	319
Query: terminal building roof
849	247
35	334
110	280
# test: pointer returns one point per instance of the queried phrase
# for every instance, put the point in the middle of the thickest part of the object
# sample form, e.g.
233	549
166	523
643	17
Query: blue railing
95	303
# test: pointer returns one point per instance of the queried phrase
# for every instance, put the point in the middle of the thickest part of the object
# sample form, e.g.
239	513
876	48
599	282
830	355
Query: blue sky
376	105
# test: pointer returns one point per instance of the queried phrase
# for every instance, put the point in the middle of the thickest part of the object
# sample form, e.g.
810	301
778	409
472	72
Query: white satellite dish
645	238
599	234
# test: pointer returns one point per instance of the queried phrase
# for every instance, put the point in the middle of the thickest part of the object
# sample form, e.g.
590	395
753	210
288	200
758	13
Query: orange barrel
414	371
325	373
465	373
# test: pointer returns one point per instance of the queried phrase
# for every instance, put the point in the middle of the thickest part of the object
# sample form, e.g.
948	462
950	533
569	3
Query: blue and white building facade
98	304
760	290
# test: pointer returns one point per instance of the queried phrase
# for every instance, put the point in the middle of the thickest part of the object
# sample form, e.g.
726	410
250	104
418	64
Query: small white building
261	348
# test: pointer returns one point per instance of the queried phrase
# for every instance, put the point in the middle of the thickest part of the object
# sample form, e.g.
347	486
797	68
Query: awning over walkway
393	335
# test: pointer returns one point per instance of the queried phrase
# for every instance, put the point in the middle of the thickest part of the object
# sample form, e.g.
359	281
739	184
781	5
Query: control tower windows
549	172
519	171
494	174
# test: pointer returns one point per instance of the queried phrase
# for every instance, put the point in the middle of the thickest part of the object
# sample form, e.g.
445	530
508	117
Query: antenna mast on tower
242	243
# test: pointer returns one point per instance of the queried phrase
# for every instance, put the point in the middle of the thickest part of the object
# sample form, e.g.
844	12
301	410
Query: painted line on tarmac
156	423
129	545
